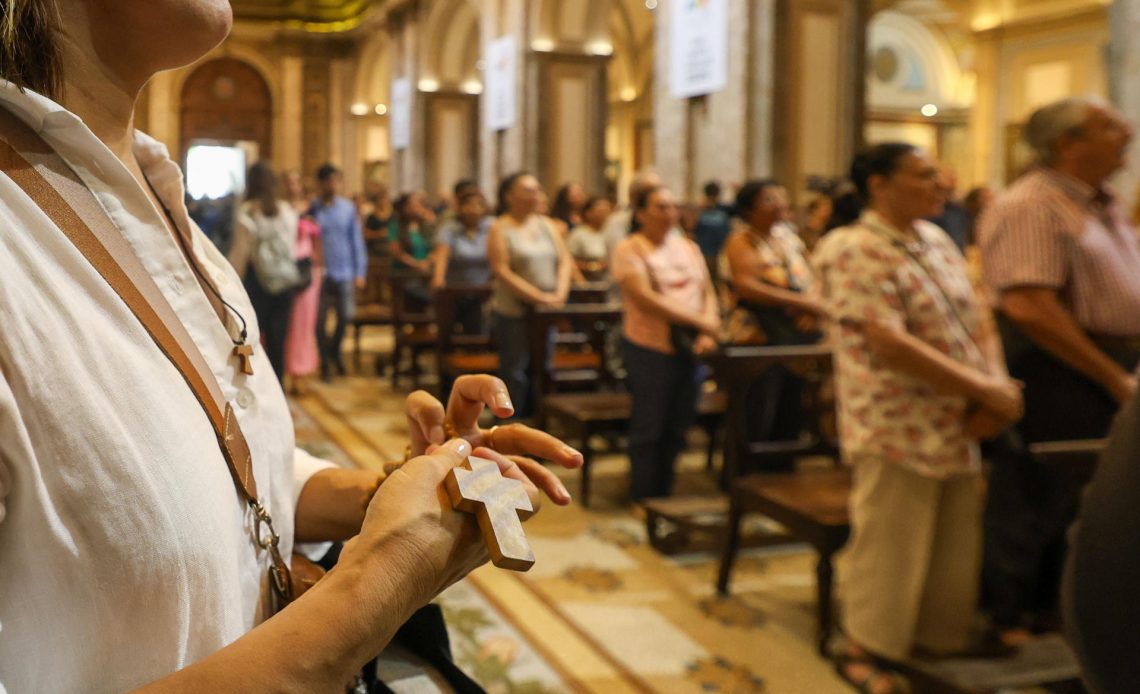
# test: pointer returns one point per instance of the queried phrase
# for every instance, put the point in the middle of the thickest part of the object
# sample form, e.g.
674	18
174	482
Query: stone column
505	151
1123	66
726	135
315	116
408	164
287	127
986	121
163	104
819	90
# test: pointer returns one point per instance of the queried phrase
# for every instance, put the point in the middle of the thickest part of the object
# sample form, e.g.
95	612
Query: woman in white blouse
126	558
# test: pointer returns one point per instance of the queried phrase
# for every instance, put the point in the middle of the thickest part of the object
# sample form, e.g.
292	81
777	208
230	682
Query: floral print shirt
870	272
784	264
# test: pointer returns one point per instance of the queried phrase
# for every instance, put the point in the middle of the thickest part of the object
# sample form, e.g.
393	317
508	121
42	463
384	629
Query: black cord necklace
242	350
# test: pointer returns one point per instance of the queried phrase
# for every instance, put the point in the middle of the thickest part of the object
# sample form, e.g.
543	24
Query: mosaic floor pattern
601	611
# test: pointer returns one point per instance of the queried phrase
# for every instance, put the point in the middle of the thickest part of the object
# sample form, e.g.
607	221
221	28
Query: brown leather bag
49	181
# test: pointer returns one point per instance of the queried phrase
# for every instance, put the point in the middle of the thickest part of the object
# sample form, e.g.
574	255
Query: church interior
736	579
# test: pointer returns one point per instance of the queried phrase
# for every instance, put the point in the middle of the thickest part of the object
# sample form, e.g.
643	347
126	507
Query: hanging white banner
698	47
401	119
501	83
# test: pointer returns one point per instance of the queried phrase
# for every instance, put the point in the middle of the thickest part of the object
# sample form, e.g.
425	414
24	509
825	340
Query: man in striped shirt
1064	270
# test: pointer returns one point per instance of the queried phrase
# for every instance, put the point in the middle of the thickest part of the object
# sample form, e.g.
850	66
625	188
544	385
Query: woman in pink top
301	356
671	315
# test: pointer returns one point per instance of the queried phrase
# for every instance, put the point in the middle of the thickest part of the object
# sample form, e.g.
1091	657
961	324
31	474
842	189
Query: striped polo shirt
1052	230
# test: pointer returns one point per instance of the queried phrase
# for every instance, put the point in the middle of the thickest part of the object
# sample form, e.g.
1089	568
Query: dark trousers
664	392
469	314
340	298
512	338
273	311
1030	506
775	409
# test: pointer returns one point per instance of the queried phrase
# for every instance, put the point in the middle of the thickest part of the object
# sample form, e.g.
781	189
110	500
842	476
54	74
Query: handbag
61	195
304	273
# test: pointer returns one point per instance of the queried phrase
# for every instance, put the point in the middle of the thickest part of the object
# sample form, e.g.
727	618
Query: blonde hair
29	56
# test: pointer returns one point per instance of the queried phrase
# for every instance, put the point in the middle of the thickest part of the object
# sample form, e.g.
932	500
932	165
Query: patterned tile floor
600	611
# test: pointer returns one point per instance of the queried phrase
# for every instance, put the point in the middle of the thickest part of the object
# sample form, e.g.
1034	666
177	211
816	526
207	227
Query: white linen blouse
125	551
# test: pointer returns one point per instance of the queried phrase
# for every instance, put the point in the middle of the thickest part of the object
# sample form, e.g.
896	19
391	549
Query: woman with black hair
767	289
670	317
569	205
920	378
768	273
532	268
586	241
265	221
408	234
409	246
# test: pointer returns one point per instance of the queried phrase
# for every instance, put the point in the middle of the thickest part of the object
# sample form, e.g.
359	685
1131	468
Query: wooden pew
812	506
585	415
591	293
413	326
459	353
584	366
373	304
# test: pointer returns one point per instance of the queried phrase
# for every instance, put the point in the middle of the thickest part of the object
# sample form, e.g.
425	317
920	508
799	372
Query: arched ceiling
631	31
450	51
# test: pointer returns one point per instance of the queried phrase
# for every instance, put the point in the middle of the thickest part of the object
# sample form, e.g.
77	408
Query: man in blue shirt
714	224
345	265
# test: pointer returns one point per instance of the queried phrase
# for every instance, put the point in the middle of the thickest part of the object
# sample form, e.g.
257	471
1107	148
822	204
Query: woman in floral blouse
920	379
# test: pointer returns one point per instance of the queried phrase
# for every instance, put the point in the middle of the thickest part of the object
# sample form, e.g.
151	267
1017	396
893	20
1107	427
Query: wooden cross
500	504
244	353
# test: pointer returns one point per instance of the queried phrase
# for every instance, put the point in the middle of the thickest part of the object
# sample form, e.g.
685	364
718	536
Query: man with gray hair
1063	268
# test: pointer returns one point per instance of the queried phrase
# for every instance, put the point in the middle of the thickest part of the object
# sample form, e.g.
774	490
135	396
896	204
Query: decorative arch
571	22
451	52
246	54
227	99
910	65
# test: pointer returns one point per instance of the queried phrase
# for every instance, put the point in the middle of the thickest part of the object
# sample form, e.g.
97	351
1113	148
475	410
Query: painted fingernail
503	402
436	434
460	446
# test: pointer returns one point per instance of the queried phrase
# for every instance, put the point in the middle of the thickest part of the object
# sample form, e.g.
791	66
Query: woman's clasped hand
411	516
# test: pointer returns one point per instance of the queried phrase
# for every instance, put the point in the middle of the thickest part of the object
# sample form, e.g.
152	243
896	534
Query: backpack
272	259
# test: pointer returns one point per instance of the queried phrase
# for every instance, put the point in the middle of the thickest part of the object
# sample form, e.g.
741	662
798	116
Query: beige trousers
909	576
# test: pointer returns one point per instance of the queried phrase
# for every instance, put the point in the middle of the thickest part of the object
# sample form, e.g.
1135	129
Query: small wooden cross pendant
244	353
500	504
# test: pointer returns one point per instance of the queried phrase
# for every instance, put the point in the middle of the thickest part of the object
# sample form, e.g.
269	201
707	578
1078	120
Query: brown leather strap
50	182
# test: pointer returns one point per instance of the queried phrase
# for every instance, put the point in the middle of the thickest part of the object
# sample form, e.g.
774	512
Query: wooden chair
413	325
559	368
460	353
812	506
373	303
1075	458
585	415
591	293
